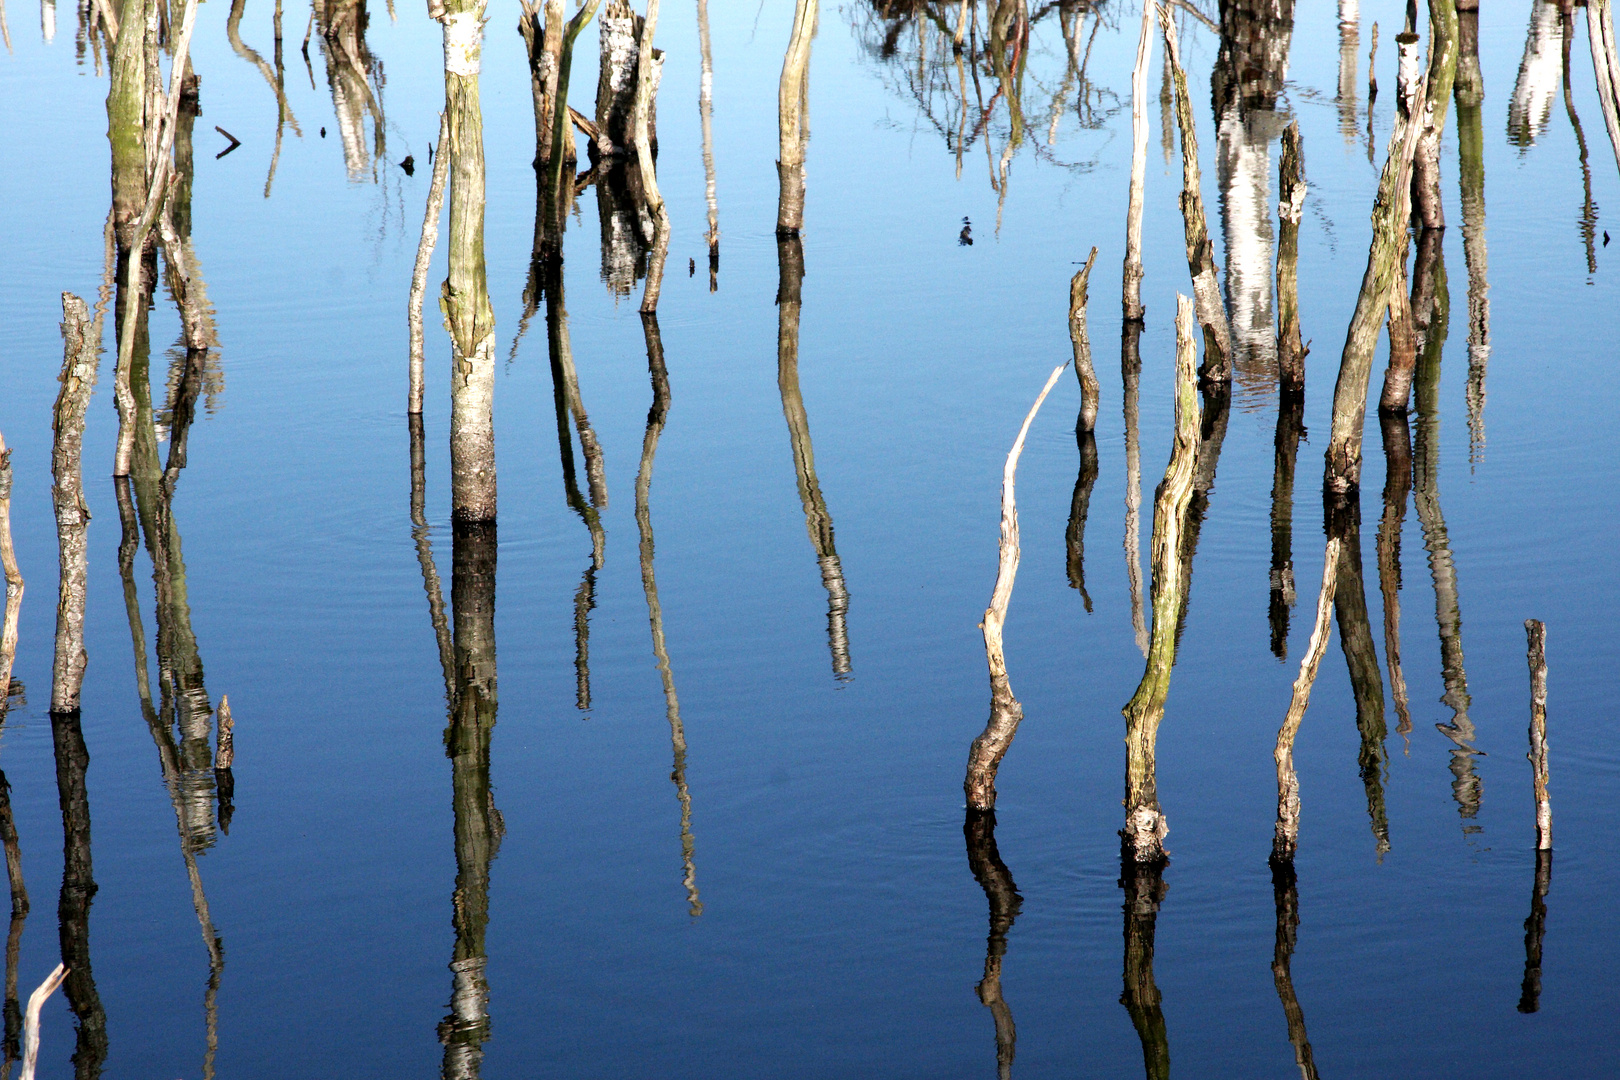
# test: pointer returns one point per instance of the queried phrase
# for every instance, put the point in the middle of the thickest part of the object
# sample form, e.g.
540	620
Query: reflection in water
706	114
1285	890
1248	77
1075	535
1467	787
656	416
1144	891
1349	42
19	914
424	555
1535	928
1361	657
1290	430
478	825
1470	92
817	519
1397	485
1530	107
979	829
78	890
356	79
276	79
1588	221
1130	363
1217	411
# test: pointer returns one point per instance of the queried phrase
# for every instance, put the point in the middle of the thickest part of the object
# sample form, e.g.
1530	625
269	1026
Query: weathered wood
557	186
1130	362
1132	293
646	88
1217	366
1536	634
1089	388
36	1001
984	756
465	294
79	361
1426	202
1389	216
1606	66
14	580
619	74
1285	840
424	256
1291	352
792	123
1145	826
1001	895
1361	662
225	755
706	117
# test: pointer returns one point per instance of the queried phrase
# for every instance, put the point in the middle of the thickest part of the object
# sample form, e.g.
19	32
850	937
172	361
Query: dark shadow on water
1075	535
1144	891
1285	891
984	860
78	891
1535	928
1290	432
1361	658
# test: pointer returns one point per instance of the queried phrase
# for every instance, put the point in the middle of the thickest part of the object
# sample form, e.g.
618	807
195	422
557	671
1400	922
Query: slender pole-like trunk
1291	351
79	361
424	256
984	756
1290	429
14	580
1285	839
1089	388
1145	826
791	122
466	293
1211	308
19	914
1606	65
1285	892
1536	633
656	417
706	116
1001	894
424	555
1131	376
1139	139
1426	203
1144	892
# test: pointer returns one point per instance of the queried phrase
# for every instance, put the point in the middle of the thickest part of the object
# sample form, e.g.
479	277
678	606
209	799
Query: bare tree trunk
1089	388
1139	138
466	293
1001	894
1355	364
1285	840
1426	203
706	115
619	74
1145	826
1536	632
1291	352
1606	65
1217	366
424	256
80	355
1131	377
646	87
14	581
791	122
984	756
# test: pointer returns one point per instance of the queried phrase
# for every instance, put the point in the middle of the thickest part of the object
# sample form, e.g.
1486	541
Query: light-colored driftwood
1130	366
1211	308
984	756
14	579
1090	390
36	1001
67	492
1606	65
791	121
424	256
1145	825
1291	351
1286	840
1139	140
1536	634
465	295
1390	208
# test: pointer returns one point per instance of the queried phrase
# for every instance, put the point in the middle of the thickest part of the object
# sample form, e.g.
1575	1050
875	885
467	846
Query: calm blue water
842	931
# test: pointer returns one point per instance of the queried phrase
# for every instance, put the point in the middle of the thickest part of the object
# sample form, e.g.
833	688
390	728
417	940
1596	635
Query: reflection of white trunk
1349	41
47	19
1243	171
1539	75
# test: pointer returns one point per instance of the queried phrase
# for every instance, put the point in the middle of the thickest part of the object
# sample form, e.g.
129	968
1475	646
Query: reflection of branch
1535	929
1286	893
1075	536
1144	892
655	612
424	554
1588	223
1001	893
1361	658
233	33
1397	483
1290	429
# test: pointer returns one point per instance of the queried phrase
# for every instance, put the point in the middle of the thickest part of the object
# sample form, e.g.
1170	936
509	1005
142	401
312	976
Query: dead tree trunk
1426	203
14	581
1145	827
618	77
424	256
1139	138
80	356
1536	631
792	123
984	756
1089	388
1131	378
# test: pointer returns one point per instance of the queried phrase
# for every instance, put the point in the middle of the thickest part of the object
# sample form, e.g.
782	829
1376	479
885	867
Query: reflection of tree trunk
656	417
1349	42
1286	892
1466	787
984	860
1075	535
78	889
1535	928
477	822
1144	891
627	228
424	555
80	356
1290	429
350	67
1217	411
19	913
1588	224
1131	376
1470	92
1361	657
817	518
1397	484
1145	827
1536	86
